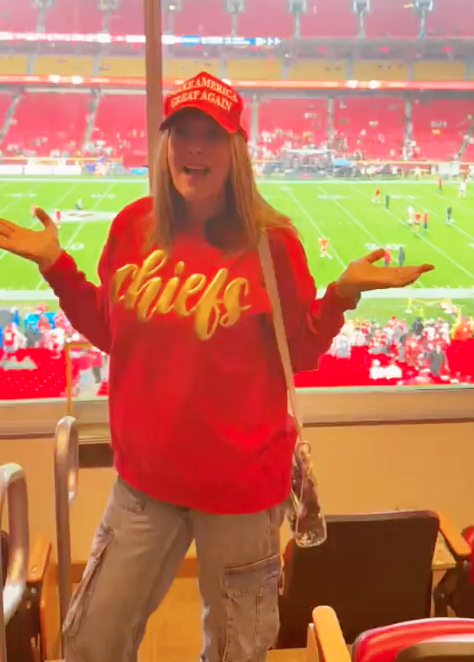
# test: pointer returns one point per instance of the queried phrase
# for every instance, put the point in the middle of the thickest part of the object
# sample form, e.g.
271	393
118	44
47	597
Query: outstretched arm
85	304
311	324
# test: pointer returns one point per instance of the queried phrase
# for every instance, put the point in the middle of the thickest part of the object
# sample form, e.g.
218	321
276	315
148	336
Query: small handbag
303	512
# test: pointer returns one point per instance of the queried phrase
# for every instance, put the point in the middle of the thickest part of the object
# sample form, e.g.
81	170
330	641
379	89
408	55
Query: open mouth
196	170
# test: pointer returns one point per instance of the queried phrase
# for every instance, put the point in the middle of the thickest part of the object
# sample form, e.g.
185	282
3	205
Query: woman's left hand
362	275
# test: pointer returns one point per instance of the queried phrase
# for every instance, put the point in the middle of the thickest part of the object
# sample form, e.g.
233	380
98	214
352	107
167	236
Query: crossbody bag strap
271	286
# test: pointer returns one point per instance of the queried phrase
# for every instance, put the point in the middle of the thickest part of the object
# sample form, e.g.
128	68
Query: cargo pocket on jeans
251	609
81	597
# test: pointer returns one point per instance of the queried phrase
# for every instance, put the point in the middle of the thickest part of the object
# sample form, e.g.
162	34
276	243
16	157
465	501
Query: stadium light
424	5
296	6
360	6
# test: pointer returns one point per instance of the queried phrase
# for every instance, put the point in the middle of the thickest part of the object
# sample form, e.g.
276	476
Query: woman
198	406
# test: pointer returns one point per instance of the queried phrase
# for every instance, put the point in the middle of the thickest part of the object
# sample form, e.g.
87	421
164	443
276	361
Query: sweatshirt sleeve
84	303
310	323
87	305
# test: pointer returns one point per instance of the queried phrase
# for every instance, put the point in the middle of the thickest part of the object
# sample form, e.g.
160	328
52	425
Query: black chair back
24	625
456	590
5	551
373	570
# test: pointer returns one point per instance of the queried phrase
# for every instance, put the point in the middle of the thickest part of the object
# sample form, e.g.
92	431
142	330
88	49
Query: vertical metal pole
154	78
13	488
66	469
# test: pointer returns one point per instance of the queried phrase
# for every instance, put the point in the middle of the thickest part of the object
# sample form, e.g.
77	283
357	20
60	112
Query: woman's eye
181	132
208	135
213	134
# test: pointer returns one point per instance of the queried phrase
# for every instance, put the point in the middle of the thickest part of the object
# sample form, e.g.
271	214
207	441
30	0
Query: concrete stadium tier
133	67
439	70
13	64
63	65
379	70
317	70
182	68
254	69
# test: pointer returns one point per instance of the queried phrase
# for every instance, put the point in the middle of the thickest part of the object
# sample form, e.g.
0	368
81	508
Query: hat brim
221	121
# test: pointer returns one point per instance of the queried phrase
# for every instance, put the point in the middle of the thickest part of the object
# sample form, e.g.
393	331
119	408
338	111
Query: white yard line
313	222
2	186
81	224
15	201
353	218
454	226
456	203
370	234
430	243
32	222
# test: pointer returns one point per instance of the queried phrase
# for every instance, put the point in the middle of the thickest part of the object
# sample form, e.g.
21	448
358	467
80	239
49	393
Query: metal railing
13	488
69	348
66	472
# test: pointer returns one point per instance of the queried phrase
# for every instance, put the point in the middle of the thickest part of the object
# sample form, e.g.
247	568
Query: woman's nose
195	145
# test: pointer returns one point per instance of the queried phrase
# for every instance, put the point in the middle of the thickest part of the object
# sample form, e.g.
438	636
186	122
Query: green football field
342	211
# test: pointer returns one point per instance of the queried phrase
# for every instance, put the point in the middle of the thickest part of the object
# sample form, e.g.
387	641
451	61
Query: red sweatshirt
198	404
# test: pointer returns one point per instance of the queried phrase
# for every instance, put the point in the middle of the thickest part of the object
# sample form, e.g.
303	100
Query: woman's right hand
41	246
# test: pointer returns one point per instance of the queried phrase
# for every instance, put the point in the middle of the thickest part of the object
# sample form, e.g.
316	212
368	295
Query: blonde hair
246	209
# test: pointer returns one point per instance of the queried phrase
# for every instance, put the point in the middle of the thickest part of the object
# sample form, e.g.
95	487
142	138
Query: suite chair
440	649
427	640
32	631
374	570
27	617
456	589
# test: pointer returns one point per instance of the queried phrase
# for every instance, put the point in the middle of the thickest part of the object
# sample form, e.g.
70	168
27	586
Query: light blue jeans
135	555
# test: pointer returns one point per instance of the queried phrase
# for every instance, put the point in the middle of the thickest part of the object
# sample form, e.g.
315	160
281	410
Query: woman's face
198	157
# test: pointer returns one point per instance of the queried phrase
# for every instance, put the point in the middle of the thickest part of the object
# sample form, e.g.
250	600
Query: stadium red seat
278	20
450	18
129	125
374	125
439	125
382	644
127	19
328	18
392	18
293	116
81	16
18	16
214	21
44	121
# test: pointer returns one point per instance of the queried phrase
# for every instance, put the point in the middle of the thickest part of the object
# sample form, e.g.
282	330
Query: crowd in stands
425	351
432	351
421	353
33	361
